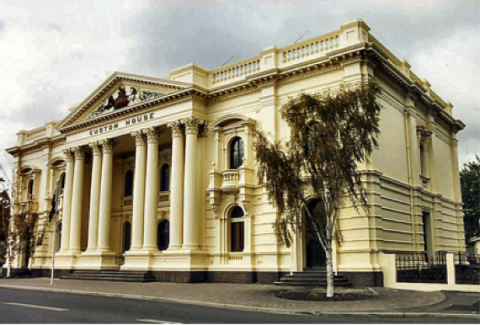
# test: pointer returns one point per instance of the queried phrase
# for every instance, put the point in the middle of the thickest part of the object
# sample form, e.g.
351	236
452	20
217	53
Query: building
158	174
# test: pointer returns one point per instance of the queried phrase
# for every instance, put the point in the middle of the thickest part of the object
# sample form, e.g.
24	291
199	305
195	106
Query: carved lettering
128	122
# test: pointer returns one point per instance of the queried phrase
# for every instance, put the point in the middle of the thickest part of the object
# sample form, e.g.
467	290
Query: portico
144	146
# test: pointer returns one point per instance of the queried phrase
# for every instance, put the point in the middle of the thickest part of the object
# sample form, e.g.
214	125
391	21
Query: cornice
413	87
39	144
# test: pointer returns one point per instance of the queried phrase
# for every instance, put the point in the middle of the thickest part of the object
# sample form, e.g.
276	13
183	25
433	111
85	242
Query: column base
181	260
97	260
138	260
64	260
190	248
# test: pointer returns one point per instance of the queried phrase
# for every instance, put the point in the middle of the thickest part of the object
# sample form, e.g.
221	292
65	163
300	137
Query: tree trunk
328	253
9	263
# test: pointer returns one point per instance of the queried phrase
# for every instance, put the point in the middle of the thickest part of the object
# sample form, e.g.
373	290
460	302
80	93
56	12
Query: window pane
236	153
165	178
128	183
237	236
237	212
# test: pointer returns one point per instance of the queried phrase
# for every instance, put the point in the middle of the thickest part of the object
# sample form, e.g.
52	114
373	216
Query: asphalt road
19	306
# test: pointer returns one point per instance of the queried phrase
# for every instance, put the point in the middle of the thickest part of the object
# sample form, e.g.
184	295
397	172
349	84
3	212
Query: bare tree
331	133
17	230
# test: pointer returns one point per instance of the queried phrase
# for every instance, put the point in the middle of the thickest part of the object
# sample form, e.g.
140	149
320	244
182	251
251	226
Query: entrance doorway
314	253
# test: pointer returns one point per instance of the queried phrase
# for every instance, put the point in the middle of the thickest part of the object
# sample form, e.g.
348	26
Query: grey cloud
165	35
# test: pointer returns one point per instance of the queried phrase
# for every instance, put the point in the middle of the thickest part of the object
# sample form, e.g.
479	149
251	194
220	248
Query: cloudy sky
54	54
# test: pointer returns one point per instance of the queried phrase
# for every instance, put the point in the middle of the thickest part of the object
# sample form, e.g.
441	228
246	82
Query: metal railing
467	268
421	268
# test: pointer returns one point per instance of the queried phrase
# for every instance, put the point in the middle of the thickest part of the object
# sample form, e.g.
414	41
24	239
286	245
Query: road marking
156	321
35	306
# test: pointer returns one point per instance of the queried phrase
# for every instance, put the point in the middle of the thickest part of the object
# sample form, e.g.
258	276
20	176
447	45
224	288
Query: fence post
387	262
450	269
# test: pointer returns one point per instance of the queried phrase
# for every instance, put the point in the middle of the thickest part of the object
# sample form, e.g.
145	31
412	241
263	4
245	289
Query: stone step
311	278
312	284
110	275
317	275
133	276
112	279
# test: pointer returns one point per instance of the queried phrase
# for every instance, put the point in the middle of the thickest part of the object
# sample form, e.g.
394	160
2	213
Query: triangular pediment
118	92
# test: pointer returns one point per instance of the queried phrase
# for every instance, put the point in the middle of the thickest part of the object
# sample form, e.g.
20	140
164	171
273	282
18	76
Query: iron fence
467	268
421	268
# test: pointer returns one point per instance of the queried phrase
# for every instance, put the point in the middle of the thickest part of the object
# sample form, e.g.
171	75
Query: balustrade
231	178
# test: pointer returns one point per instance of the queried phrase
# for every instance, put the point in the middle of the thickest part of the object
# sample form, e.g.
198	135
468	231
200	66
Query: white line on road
35	306
156	321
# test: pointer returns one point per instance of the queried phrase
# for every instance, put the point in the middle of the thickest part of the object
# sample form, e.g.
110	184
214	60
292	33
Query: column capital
79	153
152	134
139	138
68	155
193	125
107	146
176	128
96	148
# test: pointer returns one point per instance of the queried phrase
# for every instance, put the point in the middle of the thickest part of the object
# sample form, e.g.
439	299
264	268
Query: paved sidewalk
236	295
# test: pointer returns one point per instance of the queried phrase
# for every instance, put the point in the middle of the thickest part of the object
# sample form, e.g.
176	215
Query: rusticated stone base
41	273
180	276
191	277
230	277
364	279
243	277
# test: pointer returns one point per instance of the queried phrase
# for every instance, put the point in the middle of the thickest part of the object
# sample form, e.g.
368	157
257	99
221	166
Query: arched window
236	153
237	230
128	188
59	237
163	235
165	178
127	236
62	182
30	188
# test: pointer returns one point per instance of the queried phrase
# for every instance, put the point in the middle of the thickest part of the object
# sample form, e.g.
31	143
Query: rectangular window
426	232
237	236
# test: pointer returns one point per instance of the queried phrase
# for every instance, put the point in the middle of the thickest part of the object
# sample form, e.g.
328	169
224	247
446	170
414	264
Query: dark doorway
315	255
163	235
127	236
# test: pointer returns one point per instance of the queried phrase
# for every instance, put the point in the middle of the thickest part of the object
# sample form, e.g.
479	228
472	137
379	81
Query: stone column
105	196
176	191
151	191
138	190
190	236
77	200
67	201
94	196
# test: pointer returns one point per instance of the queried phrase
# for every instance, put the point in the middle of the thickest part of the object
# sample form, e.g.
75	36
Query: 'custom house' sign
127	122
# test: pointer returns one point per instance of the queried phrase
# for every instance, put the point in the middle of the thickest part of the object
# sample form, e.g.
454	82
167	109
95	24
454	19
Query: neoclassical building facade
158	174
